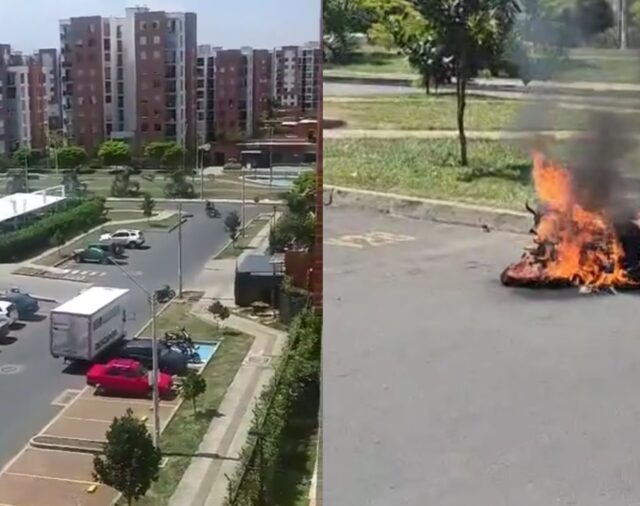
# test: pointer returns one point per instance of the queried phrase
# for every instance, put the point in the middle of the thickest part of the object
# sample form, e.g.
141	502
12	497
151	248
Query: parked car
126	376
27	306
5	326
92	253
127	238
9	311
169	361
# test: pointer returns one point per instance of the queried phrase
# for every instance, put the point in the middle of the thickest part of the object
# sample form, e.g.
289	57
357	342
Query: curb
248	202
443	211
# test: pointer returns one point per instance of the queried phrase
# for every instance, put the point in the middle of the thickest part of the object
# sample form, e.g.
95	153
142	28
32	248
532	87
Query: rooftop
92	300
18	204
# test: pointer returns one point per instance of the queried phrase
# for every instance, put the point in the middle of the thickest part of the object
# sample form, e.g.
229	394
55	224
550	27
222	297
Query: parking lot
441	386
33	382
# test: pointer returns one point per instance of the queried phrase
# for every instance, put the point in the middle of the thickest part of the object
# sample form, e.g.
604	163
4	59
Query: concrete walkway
205	481
493	135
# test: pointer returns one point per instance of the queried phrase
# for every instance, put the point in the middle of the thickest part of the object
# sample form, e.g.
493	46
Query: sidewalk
205	481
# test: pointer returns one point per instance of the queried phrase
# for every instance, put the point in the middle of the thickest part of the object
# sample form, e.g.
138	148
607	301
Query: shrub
78	217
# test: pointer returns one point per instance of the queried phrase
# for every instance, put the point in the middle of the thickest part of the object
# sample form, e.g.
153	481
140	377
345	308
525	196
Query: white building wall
21	106
248	52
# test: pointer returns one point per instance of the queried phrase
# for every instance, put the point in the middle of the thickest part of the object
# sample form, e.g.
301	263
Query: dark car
169	361
26	304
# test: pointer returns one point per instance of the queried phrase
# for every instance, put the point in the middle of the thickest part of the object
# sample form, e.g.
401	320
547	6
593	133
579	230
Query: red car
126	376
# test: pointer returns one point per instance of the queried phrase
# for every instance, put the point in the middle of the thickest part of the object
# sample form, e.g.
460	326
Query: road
443	387
28	393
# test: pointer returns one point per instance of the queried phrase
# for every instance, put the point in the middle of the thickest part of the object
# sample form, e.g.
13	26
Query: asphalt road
26	395
443	387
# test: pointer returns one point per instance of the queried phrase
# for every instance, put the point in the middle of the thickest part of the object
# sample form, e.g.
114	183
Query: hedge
298	369
78	217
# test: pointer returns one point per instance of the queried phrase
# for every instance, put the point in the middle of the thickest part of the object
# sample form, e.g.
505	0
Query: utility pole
243	196
271	158
26	171
156	393
622	8
180	250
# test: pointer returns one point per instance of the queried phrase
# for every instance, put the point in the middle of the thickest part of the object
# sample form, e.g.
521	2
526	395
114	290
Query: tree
69	157
129	462
114	153
155	151
173	155
220	311
593	17
232	226
178	185
341	19
72	184
17	182
123	186
448	39
193	386
23	156
147	206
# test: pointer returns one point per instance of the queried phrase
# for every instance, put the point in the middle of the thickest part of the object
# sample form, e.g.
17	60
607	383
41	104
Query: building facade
48	59
129	78
296	78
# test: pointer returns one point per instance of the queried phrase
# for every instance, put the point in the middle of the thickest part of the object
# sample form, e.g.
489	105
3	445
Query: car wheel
98	390
132	245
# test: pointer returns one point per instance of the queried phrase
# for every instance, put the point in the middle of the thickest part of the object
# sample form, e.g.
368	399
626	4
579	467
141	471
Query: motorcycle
211	210
181	340
165	294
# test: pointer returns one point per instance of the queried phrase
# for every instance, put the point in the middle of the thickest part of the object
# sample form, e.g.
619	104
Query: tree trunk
129	501
461	91
194	406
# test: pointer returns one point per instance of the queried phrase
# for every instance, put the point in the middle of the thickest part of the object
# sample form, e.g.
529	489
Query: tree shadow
8	340
514	172
376	58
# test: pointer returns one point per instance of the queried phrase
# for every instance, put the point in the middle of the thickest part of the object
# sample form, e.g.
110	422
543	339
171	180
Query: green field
225	186
418	112
498	175
584	64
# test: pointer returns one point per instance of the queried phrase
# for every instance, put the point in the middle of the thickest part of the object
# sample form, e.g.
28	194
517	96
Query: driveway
443	387
34	379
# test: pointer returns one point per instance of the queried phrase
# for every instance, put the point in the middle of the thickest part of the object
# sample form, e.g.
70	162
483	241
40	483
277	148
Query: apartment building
48	59
296	78
23	102
237	88
130	78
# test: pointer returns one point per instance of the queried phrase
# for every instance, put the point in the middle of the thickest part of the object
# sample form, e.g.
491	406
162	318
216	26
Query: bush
80	216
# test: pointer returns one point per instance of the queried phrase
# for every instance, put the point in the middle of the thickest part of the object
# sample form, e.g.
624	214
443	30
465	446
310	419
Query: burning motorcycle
182	341
165	294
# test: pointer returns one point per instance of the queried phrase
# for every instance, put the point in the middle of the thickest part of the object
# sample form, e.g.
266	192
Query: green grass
183	435
583	64
374	60
420	112
242	243
298	452
498	175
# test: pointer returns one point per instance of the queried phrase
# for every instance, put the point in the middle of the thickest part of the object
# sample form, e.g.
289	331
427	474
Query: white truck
88	324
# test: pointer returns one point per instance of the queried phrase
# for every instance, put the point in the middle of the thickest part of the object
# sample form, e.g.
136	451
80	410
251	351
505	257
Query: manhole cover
10	369
258	360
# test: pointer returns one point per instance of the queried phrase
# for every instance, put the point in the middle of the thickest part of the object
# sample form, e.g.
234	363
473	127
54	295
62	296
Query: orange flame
586	249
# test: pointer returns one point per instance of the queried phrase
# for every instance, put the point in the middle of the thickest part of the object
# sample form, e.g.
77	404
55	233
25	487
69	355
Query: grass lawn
374	60
583	64
419	112
242	243
183	435
498	175
298	452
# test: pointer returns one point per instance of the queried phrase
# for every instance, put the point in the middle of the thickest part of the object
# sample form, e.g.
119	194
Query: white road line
103	273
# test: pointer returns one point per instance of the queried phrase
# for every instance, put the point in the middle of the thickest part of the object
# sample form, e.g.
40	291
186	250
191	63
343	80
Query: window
107	99
120	101
143	55
156	25
157	55
92	72
93	99
91	42
106	44
156	39
120	74
79	57
80	86
156	84
109	129
119	31
157	127
119	60
107	87
143	40
119	46
107	57
143	25
144	127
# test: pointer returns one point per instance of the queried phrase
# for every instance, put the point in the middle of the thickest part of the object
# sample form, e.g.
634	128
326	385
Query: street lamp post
244	197
154	351
205	148
180	250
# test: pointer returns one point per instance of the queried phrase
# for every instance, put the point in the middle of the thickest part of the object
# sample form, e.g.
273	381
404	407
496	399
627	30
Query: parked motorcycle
165	294
181	340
